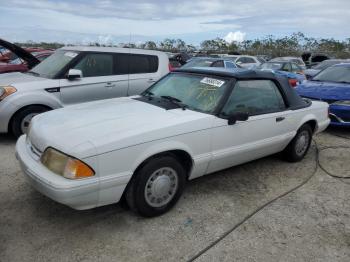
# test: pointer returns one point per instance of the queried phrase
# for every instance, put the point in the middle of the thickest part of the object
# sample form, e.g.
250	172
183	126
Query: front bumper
340	115
7	109
78	194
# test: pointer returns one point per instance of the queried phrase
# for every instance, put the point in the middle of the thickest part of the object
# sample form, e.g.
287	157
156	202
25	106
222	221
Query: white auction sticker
212	81
71	54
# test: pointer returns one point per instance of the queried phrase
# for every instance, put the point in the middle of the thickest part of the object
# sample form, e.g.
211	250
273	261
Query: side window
254	97
121	64
139	64
218	63
96	65
230	65
241	60
249	60
295	68
287	67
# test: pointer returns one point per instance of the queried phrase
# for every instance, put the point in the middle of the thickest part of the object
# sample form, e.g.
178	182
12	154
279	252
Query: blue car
285	68
331	85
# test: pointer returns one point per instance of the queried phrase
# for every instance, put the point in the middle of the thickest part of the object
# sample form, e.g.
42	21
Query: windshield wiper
175	101
32	73
148	94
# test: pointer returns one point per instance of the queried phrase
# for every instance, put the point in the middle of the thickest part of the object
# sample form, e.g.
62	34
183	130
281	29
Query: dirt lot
311	223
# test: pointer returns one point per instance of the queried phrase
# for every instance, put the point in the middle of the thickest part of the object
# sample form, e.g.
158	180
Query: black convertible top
293	100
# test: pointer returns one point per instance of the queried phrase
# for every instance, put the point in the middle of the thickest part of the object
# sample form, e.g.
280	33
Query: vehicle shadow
6	139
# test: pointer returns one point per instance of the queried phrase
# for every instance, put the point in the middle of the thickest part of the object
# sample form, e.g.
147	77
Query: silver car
75	75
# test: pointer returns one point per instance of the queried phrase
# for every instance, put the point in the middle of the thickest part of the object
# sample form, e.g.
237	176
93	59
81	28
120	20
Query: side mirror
239	116
239	63
74	74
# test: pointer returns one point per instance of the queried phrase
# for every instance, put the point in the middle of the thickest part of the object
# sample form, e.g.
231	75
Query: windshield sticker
70	54
212	82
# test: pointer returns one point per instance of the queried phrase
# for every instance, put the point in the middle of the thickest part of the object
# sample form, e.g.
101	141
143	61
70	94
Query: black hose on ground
245	219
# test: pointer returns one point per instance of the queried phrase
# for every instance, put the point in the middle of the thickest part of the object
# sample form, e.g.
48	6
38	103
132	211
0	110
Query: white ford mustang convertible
143	149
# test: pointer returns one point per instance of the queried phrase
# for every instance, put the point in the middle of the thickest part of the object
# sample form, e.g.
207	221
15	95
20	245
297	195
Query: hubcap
302	143
26	121
161	187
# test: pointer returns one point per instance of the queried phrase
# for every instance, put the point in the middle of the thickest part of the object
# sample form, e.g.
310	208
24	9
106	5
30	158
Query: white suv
245	60
74	75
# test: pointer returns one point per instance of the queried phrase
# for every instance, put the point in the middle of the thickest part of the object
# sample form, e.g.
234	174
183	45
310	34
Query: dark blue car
331	85
288	69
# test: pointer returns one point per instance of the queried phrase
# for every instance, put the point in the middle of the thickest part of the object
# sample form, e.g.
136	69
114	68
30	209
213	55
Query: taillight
293	82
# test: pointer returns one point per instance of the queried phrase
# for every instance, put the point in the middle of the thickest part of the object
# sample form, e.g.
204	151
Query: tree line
292	45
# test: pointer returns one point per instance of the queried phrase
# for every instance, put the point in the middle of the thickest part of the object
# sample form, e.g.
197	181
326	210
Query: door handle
151	80
109	85
280	118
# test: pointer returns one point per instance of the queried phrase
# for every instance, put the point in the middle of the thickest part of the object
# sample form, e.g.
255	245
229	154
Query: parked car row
137	129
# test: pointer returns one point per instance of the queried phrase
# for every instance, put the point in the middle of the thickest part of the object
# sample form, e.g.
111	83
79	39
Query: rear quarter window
139	64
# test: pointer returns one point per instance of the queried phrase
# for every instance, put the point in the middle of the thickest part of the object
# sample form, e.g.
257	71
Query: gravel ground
310	224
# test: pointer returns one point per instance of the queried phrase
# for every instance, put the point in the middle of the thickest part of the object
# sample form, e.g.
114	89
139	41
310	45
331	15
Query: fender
158	148
307	118
20	100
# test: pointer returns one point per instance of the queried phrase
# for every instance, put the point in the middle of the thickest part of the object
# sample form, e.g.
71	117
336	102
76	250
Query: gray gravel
310	224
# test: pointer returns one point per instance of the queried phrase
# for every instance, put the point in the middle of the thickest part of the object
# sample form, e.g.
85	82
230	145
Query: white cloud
237	36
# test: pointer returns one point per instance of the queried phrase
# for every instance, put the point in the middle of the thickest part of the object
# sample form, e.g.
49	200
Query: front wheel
299	146
21	120
156	187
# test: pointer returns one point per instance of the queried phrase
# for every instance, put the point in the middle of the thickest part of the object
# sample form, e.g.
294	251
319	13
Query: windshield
197	92
334	74
325	64
198	63
51	66
16	61
272	66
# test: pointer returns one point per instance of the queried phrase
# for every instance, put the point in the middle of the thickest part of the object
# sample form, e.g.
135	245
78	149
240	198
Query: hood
327	91
110	125
16	78
20	52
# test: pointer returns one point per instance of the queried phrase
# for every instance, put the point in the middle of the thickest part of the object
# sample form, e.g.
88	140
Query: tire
18	125
299	146
156	187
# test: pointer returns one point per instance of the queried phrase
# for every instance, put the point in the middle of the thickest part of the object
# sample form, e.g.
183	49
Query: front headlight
342	103
64	165
5	91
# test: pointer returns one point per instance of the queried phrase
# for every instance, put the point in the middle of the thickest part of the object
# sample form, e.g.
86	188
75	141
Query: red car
20	65
21	60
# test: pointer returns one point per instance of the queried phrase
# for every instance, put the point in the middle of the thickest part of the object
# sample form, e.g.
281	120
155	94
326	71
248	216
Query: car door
143	72
267	130
246	61
100	80
230	65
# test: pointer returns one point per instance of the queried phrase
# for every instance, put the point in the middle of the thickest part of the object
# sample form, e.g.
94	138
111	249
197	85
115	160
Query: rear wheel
21	120
299	146
156	187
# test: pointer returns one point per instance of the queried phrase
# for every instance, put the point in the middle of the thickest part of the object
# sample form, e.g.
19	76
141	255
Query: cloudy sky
83	21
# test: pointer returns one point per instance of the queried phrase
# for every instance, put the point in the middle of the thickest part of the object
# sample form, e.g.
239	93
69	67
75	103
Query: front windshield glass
197	92
325	64
272	66
51	66
198	63
334	74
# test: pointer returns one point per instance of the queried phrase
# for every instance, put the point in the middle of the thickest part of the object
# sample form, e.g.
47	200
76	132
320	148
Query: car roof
293	99
239	73
112	50
343	64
